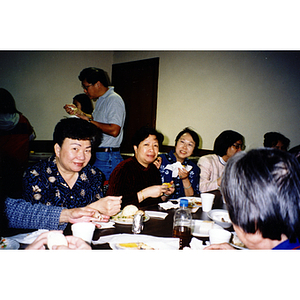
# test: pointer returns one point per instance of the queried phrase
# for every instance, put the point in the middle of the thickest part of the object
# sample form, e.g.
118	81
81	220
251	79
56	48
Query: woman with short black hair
137	179
187	182
212	166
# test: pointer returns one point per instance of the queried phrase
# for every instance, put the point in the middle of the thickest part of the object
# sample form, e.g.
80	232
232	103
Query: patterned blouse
166	175
42	183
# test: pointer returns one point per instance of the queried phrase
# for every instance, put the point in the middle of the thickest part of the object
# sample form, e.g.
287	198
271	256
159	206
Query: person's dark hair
272	138
143	133
86	103
225	140
262	192
77	129
296	152
193	134
7	102
93	75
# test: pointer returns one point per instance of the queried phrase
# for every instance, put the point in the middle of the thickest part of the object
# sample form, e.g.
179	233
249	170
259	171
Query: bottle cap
184	202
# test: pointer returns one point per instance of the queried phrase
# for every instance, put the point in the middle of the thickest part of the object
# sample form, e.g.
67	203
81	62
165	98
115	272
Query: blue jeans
107	161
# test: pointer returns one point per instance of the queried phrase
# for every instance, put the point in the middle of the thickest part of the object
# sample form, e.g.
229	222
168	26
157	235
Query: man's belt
109	149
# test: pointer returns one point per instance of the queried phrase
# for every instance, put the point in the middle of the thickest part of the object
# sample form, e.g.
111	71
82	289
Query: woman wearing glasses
227	144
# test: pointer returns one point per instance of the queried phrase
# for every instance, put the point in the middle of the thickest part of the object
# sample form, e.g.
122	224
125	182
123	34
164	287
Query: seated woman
137	179
276	140
64	182
227	144
187	182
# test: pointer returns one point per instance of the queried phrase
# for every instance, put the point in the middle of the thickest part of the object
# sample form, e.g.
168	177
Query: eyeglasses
239	146
85	87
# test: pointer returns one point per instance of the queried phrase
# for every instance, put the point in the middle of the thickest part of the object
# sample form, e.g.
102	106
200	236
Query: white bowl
221	217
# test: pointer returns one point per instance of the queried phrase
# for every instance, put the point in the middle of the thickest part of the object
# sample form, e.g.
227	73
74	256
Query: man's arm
110	129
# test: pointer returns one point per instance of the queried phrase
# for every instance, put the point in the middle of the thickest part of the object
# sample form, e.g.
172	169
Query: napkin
156	214
105	225
175	166
158	243
195	244
28	238
168	205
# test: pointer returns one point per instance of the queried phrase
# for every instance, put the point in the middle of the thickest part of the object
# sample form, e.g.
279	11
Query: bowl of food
220	217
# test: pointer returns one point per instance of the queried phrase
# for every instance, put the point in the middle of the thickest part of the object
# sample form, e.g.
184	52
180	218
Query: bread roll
129	210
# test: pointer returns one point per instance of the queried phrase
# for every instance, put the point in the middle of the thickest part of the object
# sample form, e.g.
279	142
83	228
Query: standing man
108	115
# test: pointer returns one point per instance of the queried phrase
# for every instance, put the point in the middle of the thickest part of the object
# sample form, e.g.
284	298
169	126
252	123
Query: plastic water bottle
182	224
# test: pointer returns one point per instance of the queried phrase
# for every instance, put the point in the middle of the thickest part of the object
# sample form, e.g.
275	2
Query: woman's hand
156	191
183	173
74	243
109	205
157	162
40	242
170	190
80	214
223	246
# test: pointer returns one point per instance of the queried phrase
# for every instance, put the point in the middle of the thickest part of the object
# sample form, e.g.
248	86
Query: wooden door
136	82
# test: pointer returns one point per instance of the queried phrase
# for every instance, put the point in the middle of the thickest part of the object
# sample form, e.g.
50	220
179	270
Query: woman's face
184	147
147	151
235	148
73	155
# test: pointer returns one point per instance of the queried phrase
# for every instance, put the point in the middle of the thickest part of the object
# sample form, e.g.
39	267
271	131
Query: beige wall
250	92
42	82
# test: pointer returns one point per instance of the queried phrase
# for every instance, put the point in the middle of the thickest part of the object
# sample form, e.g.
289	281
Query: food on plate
56	239
225	219
3	243
127	214
129	211
168	184
134	246
198	201
237	242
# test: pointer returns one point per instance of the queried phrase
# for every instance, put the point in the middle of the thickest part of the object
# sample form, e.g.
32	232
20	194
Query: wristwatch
90	120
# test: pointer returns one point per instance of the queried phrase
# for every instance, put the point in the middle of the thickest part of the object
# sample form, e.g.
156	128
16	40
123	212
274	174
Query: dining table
154	227
158	227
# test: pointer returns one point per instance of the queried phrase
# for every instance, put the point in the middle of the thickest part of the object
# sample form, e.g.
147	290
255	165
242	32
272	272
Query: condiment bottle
182	224
138	222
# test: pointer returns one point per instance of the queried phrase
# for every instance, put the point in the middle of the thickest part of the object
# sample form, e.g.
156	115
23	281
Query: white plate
218	215
126	221
200	228
158	243
8	244
193	200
